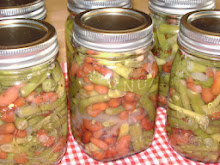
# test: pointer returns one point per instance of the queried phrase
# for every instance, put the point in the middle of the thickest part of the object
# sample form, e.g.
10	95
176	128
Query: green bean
97	78
124	130
34	120
195	67
11	148
162	40
202	120
65	129
57	73
137	137
179	123
49	85
44	121
21	123
53	105
196	101
109	123
183	94
115	93
168	29
210	108
176	99
74	87
216	137
61	90
92	100
194	148
122	70
148	106
32	84
201	133
114	111
27	110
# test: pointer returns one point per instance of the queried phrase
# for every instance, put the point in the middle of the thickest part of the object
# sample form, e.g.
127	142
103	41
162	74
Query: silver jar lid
200	32
113	29
34	9
179	7
78	6
26	42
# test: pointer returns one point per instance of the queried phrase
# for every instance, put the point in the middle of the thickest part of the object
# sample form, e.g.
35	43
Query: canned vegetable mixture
33	110
166	16
193	115
113	81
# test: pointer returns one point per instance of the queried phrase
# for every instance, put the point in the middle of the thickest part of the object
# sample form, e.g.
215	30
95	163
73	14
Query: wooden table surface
57	14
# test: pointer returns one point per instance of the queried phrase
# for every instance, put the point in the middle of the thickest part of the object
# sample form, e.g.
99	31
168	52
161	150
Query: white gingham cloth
160	153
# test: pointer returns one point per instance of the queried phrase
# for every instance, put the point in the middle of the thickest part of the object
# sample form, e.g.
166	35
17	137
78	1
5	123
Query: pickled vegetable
165	34
33	115
112	99
193	120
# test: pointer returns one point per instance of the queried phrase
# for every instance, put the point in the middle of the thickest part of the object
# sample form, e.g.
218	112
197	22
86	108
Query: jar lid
34	9
180	7
78	6
113	29
26	42
200	32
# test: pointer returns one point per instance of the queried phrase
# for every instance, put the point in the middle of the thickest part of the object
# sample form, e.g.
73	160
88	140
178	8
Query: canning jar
166	16
113	81
33	109
34	9
193	115
78	6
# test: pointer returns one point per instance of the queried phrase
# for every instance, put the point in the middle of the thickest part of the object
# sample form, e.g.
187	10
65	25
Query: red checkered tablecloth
160	153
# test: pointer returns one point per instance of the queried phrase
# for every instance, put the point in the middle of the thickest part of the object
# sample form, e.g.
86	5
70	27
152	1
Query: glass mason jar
33	109
166	16
193	115
113	83
34	9
78	6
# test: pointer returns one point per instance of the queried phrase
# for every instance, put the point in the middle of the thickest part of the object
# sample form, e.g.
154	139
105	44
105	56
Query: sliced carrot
60	145
123	145
7	128
73	69
8	116
87	68
215	88
95	109
114	102
110	140
101	89
21	158
162	99
129	106
111	152
92	126
124	115
89	60
146	124
6	138
215	116
20	133
3	155
98	155
207	95
167	67
19	102
99	143
86	137
130	96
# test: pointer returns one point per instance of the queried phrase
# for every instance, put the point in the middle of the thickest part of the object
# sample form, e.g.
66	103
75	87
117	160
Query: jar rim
94	29
33	42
